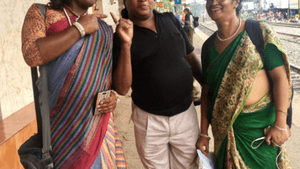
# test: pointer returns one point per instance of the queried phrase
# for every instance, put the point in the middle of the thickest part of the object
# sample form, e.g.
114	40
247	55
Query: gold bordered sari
231	78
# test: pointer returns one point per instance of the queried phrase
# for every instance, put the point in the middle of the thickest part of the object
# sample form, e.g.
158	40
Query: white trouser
166	142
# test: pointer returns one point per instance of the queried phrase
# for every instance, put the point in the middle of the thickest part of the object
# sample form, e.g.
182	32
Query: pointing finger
101	16
120	14
114	17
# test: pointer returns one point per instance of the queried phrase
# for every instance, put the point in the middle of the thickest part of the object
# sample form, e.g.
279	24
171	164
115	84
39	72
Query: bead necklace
232	35
67	16
73	12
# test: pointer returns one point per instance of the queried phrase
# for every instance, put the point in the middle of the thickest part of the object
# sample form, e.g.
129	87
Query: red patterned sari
79	139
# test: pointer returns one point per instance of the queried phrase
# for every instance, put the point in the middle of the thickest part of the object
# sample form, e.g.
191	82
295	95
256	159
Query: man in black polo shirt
153	55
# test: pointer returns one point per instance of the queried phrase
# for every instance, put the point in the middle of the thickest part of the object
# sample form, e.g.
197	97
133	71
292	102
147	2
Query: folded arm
39	49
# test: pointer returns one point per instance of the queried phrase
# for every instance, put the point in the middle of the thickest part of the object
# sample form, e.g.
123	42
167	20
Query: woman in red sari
76	50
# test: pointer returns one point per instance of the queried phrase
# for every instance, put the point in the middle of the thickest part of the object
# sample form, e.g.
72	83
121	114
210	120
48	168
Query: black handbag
256	36
186	28
35	152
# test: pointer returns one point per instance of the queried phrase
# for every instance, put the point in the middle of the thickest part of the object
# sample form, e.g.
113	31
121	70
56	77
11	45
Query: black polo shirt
162	79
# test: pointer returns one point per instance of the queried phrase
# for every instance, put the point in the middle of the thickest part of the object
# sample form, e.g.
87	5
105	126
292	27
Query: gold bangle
79	28
282	111
204	135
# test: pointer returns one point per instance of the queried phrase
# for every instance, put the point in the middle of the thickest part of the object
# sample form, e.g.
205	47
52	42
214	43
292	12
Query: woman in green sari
236	95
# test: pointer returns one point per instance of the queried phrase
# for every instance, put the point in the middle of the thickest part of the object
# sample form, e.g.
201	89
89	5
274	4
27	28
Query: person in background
237	98
190	30
154	57
276	16
179	18
76	49
285	16
292	15
188	21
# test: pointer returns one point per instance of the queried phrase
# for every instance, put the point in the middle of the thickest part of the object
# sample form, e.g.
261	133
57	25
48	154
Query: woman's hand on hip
278	137
108	105
90	22
203	145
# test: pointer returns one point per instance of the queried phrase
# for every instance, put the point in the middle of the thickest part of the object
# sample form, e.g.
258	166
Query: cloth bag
35	152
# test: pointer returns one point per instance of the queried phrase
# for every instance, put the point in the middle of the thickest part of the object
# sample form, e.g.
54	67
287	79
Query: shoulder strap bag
256	36
35	152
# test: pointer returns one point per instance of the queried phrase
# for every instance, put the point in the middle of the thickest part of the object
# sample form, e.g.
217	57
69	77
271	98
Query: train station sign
177	2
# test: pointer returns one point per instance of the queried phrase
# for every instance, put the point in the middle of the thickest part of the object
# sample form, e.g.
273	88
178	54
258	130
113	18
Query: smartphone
101	96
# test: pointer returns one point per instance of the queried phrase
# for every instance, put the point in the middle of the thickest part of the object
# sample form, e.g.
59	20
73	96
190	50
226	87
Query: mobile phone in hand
101	96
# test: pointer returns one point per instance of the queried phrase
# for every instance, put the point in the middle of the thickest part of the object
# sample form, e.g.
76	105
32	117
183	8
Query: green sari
231	75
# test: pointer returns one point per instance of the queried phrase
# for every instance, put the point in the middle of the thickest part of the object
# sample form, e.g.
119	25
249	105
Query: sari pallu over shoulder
234	89
234	86
75	78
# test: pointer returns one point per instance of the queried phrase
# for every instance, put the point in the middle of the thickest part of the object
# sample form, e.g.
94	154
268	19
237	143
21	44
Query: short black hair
124	13
239	7
58	4
186	9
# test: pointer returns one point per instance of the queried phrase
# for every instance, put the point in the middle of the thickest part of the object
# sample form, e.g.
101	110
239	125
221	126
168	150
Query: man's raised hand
124	29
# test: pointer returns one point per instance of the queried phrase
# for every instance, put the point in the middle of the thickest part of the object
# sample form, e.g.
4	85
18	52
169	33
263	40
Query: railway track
289	38
206	30
280	33
292	25
294	36
295	71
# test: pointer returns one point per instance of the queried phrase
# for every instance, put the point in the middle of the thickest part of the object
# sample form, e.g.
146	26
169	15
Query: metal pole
289	12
